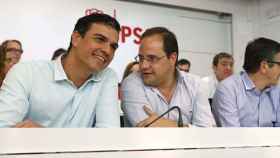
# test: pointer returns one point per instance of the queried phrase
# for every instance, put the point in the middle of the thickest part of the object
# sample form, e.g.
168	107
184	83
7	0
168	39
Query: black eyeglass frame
274	62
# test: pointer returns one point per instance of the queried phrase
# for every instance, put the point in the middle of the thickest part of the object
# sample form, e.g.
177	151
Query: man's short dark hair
219	56
258	50
58	52
184	62
84	24
170	43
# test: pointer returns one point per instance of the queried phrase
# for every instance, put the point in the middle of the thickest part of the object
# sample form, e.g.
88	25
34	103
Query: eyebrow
226	61
113	44
98	34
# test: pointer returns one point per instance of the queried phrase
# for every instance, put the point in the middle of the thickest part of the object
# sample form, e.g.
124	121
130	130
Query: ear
214	67
263	67
173	57
76	37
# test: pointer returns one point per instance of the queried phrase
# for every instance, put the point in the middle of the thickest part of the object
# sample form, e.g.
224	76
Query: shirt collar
59	73
97	76
179	75
179	78
248	83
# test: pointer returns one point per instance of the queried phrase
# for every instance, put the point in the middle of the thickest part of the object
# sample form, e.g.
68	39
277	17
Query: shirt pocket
187	112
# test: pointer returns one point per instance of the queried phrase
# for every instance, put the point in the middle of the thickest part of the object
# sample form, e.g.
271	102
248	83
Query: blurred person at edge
11	52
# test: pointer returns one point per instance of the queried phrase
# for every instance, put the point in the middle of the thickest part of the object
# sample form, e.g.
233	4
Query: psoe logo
99	11
127	32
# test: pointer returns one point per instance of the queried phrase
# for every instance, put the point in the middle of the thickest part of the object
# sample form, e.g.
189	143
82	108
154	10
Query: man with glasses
159	86
75	90
251	99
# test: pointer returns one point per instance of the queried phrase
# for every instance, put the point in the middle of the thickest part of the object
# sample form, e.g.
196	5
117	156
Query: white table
141	142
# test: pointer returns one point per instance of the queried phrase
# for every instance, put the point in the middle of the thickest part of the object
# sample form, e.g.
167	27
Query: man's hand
159	123
28	124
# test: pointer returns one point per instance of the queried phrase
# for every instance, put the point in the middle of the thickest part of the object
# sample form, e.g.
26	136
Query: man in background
13	51
222	65
250	98
184	65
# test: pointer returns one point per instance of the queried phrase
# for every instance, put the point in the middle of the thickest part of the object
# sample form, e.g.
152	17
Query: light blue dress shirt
189	95
237	103
40	91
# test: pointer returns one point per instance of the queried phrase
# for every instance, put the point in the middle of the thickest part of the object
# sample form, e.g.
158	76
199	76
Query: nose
18	54
144	64
106	49
229	67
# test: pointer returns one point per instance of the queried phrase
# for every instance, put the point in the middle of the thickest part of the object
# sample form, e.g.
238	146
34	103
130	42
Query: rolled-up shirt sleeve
134	98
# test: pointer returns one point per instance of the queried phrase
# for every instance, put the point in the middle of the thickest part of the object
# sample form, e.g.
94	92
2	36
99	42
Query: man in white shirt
159	86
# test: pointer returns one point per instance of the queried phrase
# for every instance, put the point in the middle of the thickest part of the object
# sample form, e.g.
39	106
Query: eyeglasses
274	62
14	50
149	58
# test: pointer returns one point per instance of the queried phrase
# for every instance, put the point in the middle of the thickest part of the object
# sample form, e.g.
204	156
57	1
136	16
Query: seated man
223	67
251	99
184	65
159	86
74	90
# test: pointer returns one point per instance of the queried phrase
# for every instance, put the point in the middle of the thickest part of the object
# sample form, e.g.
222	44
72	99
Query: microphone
179	122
